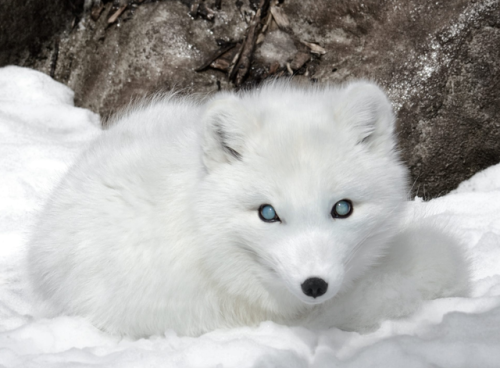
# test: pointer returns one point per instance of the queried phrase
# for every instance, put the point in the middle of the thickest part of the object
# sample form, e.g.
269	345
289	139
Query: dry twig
299	60
53	59
96	12
241	62
116	14
206	12
195	5
281	19
314	48
217	54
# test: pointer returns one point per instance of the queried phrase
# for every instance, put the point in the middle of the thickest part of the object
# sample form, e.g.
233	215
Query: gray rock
28	29
438	60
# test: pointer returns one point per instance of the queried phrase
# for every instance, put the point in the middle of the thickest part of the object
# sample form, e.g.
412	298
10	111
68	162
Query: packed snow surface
41	134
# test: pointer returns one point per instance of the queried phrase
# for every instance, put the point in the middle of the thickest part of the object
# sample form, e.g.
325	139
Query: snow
41	133
277	46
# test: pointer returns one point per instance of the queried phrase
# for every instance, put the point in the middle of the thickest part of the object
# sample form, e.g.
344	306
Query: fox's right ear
226	123
367	110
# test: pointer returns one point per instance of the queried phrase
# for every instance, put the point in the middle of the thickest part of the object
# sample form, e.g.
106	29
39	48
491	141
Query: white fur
156	227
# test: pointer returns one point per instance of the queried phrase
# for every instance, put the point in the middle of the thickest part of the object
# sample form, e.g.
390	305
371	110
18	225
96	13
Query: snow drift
41	134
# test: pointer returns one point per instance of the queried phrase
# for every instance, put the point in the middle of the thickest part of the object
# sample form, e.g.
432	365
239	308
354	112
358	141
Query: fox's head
302	191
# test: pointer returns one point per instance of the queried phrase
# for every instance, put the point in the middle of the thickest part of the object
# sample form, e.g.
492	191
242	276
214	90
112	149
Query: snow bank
41	133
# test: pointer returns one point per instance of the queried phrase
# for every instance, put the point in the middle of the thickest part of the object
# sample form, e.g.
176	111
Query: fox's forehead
304	145
300	129
306	165
305	110
304	173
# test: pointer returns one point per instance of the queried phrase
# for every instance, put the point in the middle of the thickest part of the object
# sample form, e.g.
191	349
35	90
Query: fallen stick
281	19
116	14
314	48
217	54
241	63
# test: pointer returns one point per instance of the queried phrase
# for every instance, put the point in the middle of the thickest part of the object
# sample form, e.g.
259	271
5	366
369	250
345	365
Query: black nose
314	287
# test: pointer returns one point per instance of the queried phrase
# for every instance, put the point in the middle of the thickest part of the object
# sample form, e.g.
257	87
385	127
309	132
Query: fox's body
159	225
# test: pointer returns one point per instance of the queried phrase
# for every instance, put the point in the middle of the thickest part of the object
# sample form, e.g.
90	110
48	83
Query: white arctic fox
278	204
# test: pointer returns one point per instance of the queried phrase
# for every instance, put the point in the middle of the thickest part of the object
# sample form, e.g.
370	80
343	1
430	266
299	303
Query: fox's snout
314	287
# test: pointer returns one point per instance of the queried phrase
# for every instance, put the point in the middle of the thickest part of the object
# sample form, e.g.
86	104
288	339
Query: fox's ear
366	108
226	126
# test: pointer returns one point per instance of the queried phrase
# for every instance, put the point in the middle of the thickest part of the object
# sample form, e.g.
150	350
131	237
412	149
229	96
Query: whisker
408	195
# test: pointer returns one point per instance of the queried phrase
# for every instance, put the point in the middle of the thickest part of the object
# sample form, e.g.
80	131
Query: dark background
438	60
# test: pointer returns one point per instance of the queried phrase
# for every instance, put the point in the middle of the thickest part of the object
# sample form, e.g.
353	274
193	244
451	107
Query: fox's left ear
366	108
226	129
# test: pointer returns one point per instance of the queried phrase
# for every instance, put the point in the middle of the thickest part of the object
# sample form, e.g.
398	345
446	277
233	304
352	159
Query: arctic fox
282	203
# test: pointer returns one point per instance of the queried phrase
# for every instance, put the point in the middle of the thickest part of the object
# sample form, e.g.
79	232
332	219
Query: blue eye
342	209
268	214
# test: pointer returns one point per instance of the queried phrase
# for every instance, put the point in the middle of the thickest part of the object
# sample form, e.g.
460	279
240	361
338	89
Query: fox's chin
313	301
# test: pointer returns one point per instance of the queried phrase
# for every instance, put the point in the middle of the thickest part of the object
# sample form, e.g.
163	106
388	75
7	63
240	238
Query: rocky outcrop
28	29
438	60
